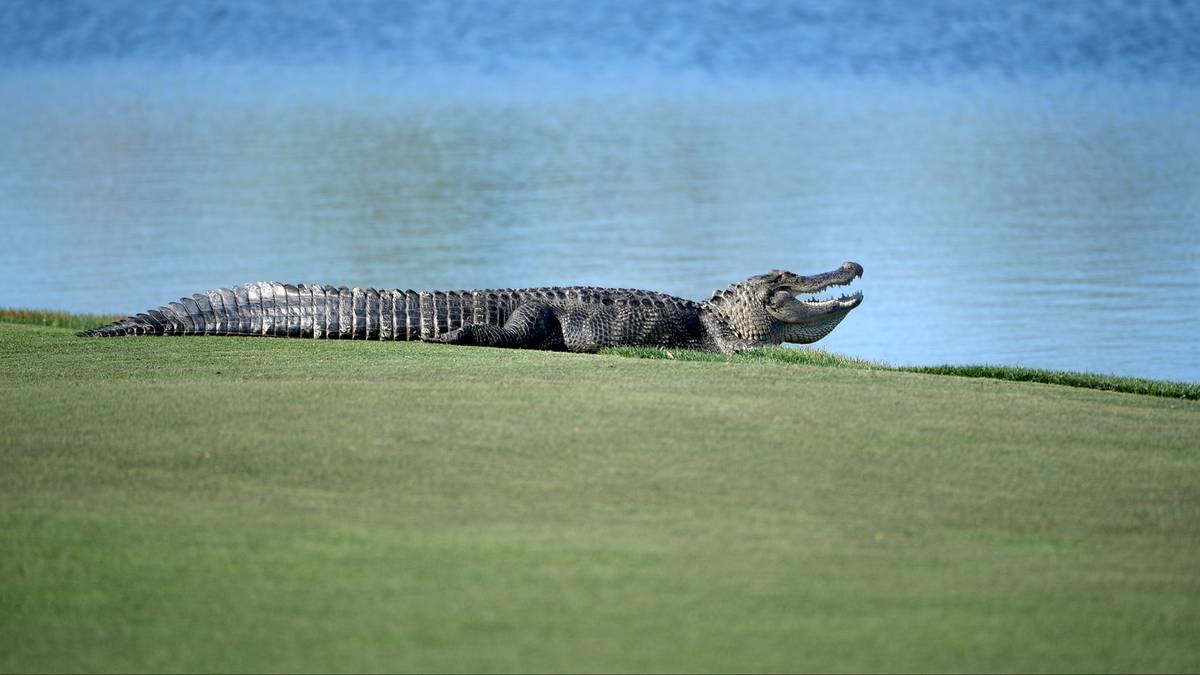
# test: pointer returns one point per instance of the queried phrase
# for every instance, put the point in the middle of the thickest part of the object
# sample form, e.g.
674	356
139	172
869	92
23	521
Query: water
1020	182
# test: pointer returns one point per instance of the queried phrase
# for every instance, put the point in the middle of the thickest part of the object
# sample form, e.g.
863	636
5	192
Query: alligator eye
780	297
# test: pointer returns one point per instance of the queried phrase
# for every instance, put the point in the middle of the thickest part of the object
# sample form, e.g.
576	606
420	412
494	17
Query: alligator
762	310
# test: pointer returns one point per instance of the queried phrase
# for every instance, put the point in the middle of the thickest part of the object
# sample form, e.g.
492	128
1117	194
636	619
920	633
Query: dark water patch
921	39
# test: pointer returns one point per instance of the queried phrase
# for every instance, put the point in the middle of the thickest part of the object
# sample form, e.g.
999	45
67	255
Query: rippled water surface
1048	221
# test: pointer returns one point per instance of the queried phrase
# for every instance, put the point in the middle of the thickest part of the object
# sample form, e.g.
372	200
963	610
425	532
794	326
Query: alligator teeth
817	300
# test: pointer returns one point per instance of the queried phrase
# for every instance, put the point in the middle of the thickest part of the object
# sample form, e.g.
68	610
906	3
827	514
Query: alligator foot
458	336
484	336
531	326
740	345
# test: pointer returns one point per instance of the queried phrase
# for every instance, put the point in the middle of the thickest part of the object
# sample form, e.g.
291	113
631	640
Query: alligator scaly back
313	311
758	311
275	309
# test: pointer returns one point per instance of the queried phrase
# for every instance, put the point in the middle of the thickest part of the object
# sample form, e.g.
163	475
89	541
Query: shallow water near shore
1049	222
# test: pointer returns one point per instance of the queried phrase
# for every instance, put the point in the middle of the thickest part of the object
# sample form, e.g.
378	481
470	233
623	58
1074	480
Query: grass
225	504
819	357
41	317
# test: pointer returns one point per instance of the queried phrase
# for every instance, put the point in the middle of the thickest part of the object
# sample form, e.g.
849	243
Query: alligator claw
454	337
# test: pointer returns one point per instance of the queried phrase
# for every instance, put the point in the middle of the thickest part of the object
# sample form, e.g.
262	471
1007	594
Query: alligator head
769	309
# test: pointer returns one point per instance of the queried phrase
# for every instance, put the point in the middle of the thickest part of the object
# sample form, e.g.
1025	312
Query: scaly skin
761	310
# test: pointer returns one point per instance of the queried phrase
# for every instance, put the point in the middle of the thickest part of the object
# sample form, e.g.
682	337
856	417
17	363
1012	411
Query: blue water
901	38
1019	179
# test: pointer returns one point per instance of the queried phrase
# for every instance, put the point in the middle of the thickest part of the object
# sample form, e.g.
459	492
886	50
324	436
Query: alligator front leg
736	345
531	326
724	340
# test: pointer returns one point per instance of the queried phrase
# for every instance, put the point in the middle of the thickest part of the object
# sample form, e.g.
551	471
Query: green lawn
235	504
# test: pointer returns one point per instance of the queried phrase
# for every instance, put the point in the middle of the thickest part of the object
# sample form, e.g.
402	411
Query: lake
1033	210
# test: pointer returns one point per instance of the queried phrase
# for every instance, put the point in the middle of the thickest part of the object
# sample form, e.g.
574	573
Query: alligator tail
324	312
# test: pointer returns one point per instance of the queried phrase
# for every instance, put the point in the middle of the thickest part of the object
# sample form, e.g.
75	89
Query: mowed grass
820	357
241	504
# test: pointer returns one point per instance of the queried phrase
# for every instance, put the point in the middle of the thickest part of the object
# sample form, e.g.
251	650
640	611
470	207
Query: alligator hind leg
531	326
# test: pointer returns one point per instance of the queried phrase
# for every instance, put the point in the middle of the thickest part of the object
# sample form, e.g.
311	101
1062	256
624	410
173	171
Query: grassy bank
817	357
41	317
201	504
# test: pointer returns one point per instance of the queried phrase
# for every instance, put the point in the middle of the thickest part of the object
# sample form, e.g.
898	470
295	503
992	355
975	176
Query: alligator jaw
786	305
843	303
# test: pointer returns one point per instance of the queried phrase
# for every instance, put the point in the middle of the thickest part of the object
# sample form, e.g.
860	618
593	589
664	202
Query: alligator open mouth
817	302
811	300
